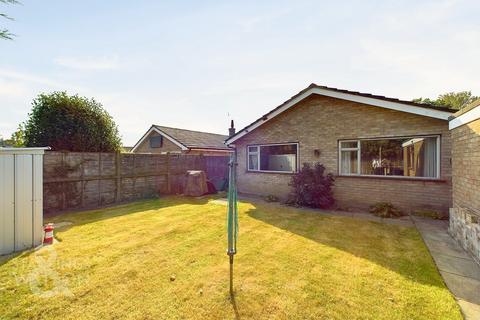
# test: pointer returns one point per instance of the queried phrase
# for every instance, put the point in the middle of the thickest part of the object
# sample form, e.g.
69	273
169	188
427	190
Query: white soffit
465	118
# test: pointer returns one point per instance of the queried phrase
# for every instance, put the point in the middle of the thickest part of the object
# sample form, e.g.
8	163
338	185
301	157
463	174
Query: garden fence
76	180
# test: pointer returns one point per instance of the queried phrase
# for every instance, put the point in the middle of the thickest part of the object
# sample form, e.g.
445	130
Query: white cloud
10	74
89	63
13	88
249	24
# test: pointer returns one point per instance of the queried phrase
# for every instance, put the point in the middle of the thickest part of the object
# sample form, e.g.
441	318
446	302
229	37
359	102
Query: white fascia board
437	114
153	129
33	150
270	116
465	118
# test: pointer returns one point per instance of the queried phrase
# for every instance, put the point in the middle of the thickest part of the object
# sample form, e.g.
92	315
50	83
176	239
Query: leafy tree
453	100
17	139
4	33
70	123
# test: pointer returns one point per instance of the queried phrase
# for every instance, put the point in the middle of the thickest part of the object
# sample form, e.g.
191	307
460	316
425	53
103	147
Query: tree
70	123
453	100
17	139
4	33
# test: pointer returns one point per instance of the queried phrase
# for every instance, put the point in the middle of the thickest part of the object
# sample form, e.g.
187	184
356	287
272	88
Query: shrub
271	198
385	210
430	214
312	187
70	123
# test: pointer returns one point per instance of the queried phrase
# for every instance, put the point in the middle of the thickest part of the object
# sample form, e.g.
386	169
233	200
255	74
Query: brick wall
465	213
466	165
319	122
167	146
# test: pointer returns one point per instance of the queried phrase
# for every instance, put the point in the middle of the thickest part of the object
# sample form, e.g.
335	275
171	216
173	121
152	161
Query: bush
385	210
271	198
311	187
430	214
70	123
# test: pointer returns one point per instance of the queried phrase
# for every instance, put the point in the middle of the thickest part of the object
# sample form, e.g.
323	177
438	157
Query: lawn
118	263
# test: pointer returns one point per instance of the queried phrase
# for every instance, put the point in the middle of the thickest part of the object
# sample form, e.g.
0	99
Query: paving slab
447	248
458	269
459	266
464	288
439	236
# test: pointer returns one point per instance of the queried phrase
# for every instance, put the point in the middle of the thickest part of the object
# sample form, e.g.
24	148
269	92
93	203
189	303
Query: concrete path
460	273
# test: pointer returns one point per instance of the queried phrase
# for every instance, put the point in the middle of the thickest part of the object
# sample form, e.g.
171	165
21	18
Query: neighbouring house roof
422	109
468	114
188	139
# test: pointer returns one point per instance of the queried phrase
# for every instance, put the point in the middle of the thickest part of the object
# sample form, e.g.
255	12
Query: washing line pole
232	215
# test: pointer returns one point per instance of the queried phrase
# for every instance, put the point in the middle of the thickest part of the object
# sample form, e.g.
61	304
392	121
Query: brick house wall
167	146
465	212
466	165
318	122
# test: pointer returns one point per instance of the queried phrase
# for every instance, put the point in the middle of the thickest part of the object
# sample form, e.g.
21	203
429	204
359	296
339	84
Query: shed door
37	199
23	201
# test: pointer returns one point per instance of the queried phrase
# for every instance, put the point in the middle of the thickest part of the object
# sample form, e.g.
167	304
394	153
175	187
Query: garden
165	259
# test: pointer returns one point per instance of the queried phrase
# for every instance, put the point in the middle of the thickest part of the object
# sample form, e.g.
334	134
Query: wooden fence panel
74	180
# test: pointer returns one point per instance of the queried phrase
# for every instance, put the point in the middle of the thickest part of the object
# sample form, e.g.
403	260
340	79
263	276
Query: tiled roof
373	96
471	106
195	139
362	94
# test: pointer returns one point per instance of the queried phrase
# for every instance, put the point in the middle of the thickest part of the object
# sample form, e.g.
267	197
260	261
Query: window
273	158
396	157
156	142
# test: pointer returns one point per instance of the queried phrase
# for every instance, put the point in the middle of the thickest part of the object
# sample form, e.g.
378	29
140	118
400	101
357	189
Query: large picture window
273	157
396	157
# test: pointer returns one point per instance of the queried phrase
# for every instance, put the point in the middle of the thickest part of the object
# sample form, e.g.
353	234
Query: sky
198	64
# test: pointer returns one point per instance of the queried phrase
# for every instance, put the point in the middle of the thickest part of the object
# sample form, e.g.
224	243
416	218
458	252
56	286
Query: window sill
390	178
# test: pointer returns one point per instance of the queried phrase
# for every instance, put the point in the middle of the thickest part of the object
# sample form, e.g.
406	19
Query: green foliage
4	33
312	187
271	198
70	123
385	210
430	214
453	100
17	139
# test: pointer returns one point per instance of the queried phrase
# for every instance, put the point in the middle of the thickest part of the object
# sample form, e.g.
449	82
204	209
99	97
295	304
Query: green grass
116	263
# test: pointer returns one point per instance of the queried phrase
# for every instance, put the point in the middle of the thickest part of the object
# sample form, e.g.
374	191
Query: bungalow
161	139
379	149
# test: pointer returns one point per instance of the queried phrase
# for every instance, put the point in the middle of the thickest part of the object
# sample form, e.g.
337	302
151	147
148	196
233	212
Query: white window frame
359	152
297	156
